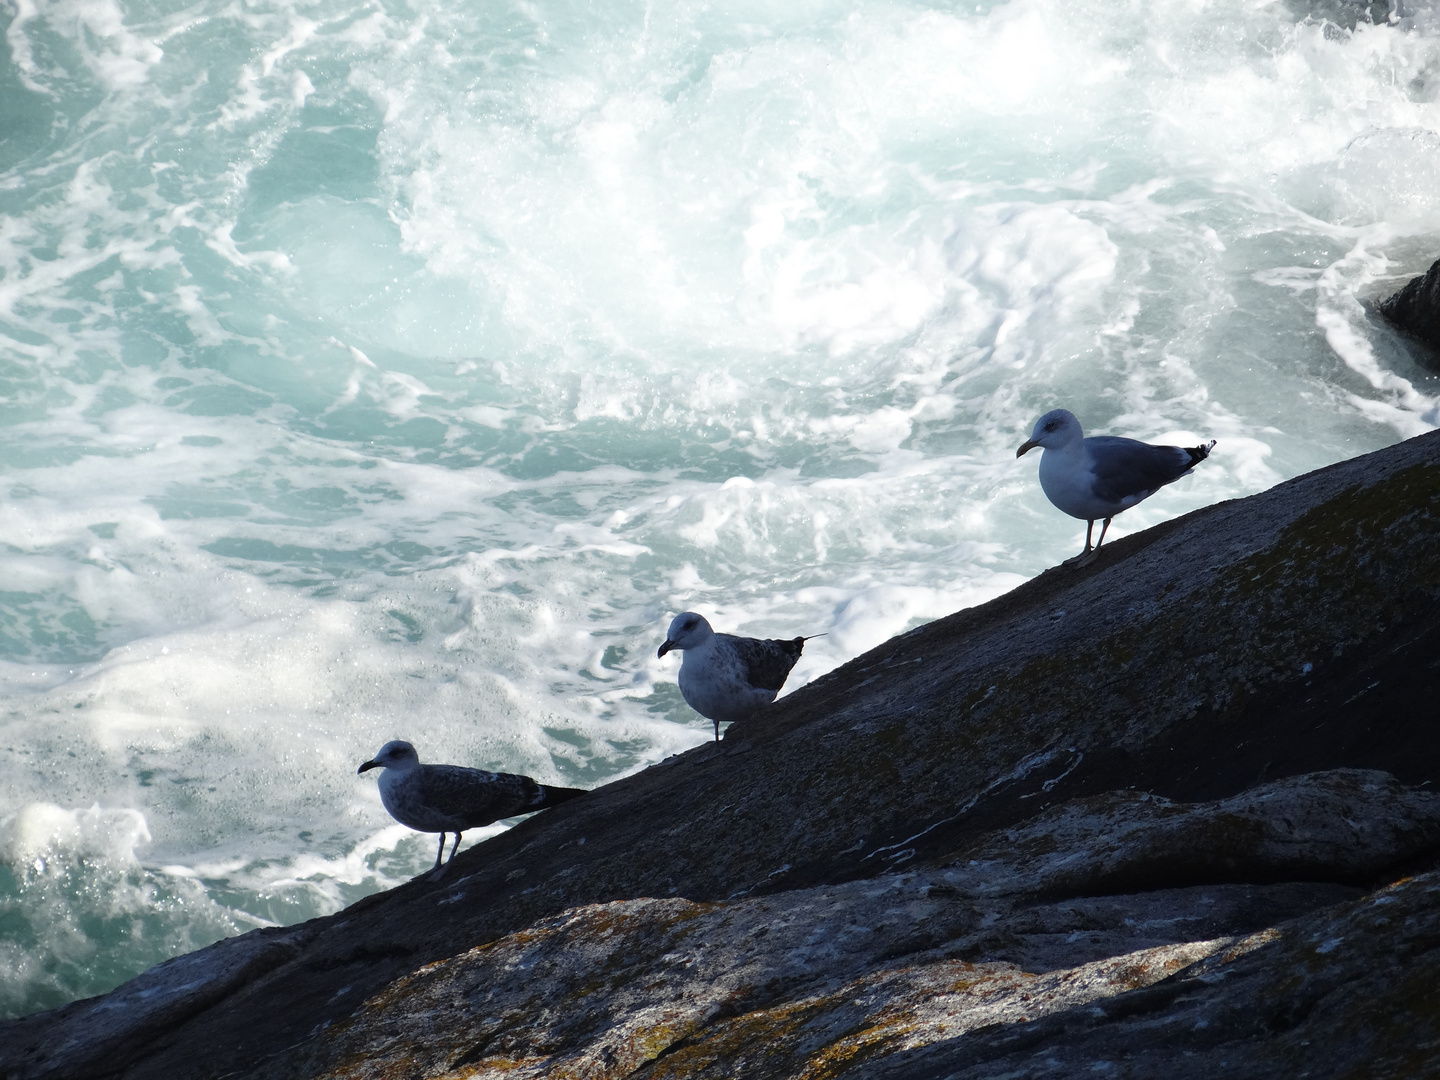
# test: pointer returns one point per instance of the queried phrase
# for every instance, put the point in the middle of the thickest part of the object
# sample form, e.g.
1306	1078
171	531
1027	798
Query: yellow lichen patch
820	1036
485	1010
496	1066
615	1057
840	1056
924	1006
389	1069
919	1006
755	1035
1248	944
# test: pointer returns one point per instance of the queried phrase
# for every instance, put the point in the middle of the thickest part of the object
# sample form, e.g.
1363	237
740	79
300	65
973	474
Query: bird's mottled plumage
724	677
1100	476
453	798
767	660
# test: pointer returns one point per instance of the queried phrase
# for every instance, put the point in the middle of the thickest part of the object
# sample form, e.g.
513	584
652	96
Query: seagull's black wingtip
1199	453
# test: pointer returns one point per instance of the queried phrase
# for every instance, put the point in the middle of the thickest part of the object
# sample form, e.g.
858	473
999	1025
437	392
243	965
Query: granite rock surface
1168	814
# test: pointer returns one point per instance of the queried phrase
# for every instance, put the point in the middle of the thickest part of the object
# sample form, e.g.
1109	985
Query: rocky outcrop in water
1346	15
1170	814
1416	308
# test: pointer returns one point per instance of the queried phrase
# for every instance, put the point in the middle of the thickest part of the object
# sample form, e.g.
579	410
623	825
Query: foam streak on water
379	369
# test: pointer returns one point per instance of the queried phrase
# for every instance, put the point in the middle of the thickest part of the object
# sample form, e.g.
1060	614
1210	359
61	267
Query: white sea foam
373	372
73	888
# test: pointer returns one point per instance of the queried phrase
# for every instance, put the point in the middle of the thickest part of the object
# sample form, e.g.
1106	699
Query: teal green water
378	370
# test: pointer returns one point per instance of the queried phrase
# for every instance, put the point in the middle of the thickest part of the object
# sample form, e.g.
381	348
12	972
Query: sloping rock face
822	981
1170	814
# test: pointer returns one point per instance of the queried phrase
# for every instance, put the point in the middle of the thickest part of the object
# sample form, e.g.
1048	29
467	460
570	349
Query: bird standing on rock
452	798
724	677
1100	476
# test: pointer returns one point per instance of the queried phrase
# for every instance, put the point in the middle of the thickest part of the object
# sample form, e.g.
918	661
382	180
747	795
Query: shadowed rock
1416	308
1009	931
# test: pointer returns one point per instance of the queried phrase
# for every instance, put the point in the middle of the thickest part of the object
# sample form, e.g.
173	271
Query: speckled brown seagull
724	677
452	798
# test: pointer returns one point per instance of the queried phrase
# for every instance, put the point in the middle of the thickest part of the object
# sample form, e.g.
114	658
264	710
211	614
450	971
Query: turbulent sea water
373	369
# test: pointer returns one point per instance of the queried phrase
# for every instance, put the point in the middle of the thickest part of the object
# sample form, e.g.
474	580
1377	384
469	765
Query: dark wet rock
1342	17
1346	15
1416	308
1353	990
1340	826
119	1026
1179	798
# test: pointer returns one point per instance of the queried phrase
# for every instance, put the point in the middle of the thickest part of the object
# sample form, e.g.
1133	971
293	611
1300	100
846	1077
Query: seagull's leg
717	730
1085	556
435	870
1089	555
439	871
1103	530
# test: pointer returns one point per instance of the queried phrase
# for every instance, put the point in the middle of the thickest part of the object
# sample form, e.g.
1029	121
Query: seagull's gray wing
1128	468
767	662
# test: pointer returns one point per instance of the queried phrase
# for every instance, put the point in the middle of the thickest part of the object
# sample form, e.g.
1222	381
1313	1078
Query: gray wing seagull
1098	477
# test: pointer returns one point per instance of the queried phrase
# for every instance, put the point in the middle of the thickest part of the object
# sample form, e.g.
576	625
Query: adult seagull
724	677
452	798
1100	476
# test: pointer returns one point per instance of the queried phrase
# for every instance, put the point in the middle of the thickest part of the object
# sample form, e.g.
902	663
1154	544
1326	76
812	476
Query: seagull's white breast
1068	481
713	682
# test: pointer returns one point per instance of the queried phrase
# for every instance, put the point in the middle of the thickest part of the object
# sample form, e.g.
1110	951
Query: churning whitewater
375	370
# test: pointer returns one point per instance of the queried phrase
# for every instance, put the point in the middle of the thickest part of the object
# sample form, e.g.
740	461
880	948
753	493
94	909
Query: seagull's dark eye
1052	425
691	624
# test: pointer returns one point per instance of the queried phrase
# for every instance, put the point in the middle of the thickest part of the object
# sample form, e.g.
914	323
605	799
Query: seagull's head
1055	429
396	754
687	630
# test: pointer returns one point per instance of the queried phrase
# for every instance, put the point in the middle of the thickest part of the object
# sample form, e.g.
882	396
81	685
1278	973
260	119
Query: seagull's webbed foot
1090	554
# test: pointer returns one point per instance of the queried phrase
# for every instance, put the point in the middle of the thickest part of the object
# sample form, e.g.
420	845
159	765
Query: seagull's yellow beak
1028	444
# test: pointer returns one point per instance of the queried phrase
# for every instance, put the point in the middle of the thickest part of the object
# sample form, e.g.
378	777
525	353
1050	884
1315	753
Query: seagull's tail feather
552	796
791	647
1199	453
795	646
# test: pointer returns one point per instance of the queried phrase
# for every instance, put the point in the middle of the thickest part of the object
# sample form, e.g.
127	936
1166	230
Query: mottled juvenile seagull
1103	475
452	798
724	677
